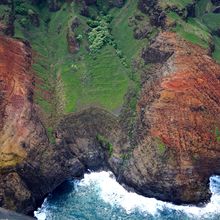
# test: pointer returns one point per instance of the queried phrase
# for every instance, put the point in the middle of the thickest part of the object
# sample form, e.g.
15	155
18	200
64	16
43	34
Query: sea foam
111	192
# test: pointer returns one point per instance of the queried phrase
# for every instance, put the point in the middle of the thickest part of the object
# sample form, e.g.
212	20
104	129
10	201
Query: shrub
24	22
119	53
92	23
108	18
99	36
105	143
79	37
217	134
31	12
110	149
20	8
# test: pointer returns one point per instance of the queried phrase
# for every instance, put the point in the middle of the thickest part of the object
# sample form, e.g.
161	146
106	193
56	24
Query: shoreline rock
177	147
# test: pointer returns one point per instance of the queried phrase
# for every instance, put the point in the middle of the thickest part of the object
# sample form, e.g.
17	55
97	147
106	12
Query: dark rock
216	10
112	3
75	24
88	134
151	7
216	2
217	32
10	215
191	10
73	44
7	20
84	10
116	3
141	33
155	55
37	2
90	2
5	2
54	5
34	18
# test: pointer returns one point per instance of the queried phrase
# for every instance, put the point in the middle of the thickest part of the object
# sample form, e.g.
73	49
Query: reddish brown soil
186	116
15	87
179	123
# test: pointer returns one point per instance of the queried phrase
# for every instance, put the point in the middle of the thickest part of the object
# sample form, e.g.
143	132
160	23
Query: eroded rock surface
29	166
177	136
178	127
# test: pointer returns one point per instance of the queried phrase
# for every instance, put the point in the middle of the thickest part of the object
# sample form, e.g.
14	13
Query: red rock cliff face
179	123
19	131
30	167
15	87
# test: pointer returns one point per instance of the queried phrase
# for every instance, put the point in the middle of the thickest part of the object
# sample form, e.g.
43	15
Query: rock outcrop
178	135
10	215
152	8
6	18
178	127
29	166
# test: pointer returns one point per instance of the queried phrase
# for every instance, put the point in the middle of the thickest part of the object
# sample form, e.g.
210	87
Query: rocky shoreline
171	163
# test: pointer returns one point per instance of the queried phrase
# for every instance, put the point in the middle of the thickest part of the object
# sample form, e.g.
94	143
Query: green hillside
70	82
90	55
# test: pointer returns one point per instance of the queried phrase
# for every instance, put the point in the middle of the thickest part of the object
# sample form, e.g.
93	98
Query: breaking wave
98	196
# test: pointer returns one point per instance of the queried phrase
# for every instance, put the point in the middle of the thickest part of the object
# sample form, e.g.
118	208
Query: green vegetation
216	53
83	61
106	144
123	26
110	149
51	135
199	30
211	21
192	30
97	82
202	7
100	73
125	156
181	4
161	147
217	134
5	12
99	34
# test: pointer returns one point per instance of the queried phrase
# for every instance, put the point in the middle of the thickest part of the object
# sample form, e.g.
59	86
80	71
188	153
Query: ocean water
99	197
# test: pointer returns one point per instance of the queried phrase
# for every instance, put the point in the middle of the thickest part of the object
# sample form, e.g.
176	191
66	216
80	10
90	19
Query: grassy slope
211	21
102	81
68	82
123	32
198	30
216	53
192	30
177	3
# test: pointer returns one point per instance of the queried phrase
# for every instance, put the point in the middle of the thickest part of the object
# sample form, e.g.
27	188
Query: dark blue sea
99	197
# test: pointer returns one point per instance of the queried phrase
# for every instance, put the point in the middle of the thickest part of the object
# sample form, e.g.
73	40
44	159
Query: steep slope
69	77
178	134
20	132
29	166
16	107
